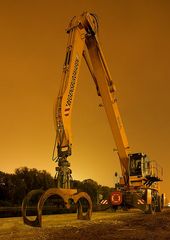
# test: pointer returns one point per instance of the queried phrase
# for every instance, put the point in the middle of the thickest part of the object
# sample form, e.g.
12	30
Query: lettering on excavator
72	84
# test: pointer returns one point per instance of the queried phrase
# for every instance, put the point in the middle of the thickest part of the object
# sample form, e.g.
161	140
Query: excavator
138	185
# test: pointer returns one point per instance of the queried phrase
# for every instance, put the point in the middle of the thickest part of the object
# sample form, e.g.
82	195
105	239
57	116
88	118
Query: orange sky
135	37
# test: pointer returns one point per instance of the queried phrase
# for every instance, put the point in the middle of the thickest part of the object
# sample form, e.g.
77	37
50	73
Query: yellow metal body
83	42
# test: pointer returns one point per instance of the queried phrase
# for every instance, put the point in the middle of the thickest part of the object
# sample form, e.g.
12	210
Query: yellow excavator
139	184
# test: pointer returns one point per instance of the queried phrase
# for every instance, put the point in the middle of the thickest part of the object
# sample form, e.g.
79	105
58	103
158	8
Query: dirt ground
104	225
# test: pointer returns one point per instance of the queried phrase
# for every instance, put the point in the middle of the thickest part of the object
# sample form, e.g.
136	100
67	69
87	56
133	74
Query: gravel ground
104	225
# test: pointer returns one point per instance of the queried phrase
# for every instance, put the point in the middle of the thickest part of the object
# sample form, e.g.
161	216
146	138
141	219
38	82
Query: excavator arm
74	51
83	42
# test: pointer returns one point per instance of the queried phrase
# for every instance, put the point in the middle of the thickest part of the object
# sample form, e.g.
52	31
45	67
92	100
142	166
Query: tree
35	179
91	187
14	187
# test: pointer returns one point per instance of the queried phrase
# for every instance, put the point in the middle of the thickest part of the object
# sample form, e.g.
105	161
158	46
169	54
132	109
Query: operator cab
141	166
138	164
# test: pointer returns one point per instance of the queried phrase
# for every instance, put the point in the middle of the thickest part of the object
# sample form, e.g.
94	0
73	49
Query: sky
134	36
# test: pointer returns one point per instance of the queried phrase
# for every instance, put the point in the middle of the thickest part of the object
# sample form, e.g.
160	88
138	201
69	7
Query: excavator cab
143	170
139	164
136	164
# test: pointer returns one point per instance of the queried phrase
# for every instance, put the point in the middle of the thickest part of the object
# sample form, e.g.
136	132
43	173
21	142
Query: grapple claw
79	199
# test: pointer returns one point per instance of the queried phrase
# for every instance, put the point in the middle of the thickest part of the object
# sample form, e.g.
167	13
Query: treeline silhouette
14	187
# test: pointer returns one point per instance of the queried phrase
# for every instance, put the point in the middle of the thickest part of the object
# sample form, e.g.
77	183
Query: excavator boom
83	42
